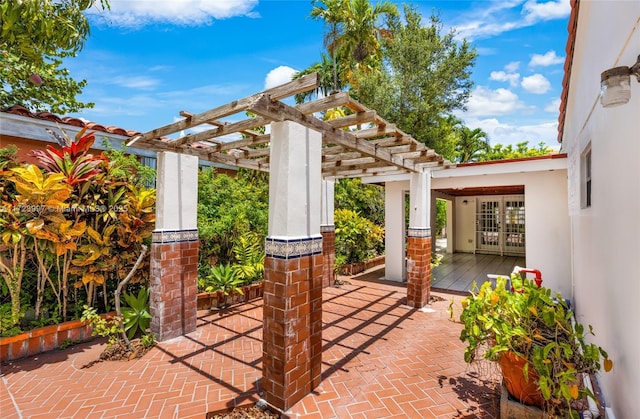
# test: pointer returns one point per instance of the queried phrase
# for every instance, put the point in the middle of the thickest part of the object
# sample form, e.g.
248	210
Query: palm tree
361	34
471	143
353	38
332	12
324	69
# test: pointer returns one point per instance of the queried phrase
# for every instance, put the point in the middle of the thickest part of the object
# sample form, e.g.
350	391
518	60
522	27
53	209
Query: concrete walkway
381	359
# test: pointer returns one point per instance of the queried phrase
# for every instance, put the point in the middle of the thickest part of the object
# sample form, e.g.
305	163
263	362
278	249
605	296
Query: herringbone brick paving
381	359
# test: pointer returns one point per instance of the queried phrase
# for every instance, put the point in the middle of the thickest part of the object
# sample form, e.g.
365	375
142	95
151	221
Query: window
585	186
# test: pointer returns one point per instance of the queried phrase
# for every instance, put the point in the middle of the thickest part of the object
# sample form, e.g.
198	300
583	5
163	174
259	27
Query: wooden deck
458	271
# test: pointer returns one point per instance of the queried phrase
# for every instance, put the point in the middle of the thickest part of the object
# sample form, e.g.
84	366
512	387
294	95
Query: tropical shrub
230	208
357	238
78	220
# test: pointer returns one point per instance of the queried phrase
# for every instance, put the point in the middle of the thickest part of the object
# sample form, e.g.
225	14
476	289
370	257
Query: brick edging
44	339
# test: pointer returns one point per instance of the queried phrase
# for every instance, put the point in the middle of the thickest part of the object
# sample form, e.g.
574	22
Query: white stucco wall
605	237
546	220
465	224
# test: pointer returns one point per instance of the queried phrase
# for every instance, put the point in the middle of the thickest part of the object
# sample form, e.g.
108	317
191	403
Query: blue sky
145	61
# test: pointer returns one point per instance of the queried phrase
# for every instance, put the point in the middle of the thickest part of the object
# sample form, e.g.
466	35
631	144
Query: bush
357	238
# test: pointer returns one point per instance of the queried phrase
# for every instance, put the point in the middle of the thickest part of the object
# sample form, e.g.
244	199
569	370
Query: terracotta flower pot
526	391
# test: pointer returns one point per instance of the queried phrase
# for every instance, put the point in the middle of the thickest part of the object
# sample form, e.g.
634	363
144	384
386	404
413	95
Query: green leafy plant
356	237
223	278
136	316
539	329
249	253
68	342
109	327
147	340
8	327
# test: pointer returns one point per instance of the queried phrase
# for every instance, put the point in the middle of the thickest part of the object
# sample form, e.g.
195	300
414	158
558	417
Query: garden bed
43	339
356	268
211	300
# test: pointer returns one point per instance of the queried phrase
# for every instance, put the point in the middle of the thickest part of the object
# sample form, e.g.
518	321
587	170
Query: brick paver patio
381	359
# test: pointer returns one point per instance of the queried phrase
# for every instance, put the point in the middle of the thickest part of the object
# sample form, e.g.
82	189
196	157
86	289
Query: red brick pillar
418	267
328	254
173	283
292	322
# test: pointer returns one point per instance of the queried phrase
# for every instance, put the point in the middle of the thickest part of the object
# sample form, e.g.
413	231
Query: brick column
173	283
292	307
419	241
418	267
328	254
174	247
292	332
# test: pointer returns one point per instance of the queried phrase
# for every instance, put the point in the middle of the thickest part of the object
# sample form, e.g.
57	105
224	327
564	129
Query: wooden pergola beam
302	84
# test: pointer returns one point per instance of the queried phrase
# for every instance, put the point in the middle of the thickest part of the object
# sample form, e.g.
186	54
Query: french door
500	223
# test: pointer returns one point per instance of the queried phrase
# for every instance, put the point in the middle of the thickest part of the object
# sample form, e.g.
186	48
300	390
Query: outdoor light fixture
615	84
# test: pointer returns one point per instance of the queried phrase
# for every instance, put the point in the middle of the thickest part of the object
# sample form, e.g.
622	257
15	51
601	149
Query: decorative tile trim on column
327	228
174	236
419	232
292	248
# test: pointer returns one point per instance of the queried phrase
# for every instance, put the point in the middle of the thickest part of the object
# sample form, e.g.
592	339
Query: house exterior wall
605	245
546	219
28	134
465	224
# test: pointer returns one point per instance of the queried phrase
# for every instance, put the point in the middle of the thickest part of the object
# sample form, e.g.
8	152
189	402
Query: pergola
304	155
359	144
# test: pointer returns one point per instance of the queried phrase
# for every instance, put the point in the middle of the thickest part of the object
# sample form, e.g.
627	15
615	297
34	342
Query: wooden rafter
359	144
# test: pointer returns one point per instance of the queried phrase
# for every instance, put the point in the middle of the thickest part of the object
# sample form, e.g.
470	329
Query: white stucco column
174	247
176	191
293	267
419	242
420	200
328	197
294	181
394	238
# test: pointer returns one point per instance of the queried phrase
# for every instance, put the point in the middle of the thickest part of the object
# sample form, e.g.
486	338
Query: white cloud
136	82
553	106
535	11
505	134
537	84
512	66
279	75
180	12
487	102
512	78
547	59
504	16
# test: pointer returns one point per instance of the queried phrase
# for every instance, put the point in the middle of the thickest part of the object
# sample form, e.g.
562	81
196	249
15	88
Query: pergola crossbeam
360	143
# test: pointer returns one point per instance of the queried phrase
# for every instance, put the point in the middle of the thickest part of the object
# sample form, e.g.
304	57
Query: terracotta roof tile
48	116
117	130
95	126
571	41
18	110
76	122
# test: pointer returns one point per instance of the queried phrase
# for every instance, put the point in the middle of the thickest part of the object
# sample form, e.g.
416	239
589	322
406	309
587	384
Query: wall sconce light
465	202
615	84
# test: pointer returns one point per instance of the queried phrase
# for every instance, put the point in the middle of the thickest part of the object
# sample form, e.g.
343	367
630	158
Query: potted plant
532	333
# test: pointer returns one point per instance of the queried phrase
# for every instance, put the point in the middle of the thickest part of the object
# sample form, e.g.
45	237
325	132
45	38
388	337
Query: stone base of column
173	283
418	267
292	321
329	254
